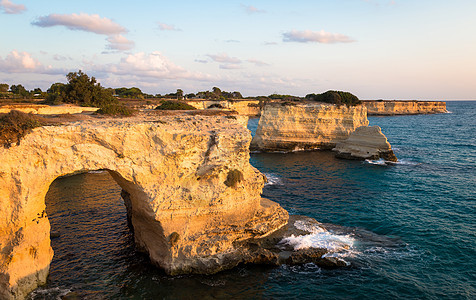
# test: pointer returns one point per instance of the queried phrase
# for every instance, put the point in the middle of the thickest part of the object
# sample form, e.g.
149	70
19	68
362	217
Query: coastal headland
192	197
410	107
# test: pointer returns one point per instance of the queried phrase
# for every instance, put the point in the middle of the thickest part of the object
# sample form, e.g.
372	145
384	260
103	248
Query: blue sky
400	49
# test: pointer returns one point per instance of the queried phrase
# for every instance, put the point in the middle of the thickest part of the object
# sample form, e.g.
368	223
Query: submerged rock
366	142
274	249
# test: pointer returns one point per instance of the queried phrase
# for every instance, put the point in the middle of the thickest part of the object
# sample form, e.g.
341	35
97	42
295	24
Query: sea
409	228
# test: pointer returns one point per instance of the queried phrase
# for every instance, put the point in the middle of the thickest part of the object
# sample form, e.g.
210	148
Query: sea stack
306	126
366	142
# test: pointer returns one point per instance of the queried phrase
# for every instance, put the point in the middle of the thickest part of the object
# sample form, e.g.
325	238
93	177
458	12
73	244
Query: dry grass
16	124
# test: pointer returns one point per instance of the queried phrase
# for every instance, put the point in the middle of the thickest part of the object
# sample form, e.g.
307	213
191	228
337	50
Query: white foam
272	179
338	245
379	162
97	172
51	293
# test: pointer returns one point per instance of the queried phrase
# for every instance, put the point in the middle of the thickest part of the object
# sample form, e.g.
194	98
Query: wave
97	172
378	162
51	293
339	246
382	162
273	179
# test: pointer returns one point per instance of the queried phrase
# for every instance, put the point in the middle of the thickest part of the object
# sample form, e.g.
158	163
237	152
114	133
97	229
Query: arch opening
91	235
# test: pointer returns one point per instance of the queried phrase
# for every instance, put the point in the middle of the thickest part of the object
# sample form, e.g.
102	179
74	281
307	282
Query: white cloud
230	66
153	65
82	21
90	23
11	8
251	9
119	42
163	26
308	36
224	58
257	63
23	62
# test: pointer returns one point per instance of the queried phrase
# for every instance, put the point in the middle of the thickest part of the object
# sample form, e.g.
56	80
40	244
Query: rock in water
306	126
366	142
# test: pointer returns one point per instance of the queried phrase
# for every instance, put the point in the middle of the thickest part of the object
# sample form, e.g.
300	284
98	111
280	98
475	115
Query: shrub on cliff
116	109
15	124
85	91
335	97
233	178
174	105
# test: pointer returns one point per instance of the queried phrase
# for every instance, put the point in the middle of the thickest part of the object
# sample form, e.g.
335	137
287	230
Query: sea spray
339	246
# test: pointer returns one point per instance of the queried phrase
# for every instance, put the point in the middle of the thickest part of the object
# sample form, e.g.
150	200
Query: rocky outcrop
306	126
390	108
47	109
193	197
366	143
242	107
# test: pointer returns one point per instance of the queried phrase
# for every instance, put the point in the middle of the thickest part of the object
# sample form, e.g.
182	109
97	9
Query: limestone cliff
389	108
242	107
366	143
47	109
193	195
306	126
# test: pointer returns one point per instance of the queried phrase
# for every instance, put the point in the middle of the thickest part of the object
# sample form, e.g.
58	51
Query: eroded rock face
47	109
389	108
242	107
366	143
174	170
306	126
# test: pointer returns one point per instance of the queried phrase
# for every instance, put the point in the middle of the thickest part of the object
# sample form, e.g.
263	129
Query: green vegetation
233	178
218	94
85	91
335	97
133	92
115	109
16	124
174	105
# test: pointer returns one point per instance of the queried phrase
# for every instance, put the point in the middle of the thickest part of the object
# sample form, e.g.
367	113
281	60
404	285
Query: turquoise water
413	224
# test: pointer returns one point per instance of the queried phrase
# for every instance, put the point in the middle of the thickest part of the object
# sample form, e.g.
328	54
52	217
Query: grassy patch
16	124
116	110
233	178
174	105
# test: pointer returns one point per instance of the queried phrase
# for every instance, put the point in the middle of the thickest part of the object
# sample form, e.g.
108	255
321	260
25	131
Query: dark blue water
413	224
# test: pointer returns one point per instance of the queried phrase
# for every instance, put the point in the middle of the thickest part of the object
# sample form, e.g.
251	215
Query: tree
56	94
19	90
4	87
80	90
335	97
179	94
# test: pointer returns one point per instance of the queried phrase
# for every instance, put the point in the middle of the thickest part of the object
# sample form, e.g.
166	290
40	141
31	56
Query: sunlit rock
188	213
306	126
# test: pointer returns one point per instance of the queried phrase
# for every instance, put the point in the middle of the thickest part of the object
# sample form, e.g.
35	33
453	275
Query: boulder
366	142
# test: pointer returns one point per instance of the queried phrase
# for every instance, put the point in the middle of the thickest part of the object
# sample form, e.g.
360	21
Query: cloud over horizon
308	36
11	8
224	58
89	23
23	62
151	65
167	27
250	9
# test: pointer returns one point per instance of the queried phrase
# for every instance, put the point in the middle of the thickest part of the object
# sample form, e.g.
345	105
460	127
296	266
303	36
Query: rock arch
186	214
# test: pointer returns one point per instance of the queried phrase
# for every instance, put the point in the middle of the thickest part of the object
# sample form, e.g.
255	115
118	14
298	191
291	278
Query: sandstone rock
366	143
47	109
174	171
242	107
390	108
306	126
